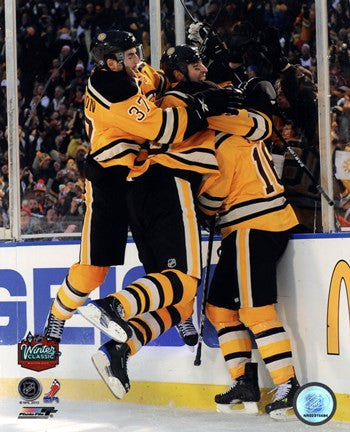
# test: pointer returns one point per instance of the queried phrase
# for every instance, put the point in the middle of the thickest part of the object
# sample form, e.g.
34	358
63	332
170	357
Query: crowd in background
53	65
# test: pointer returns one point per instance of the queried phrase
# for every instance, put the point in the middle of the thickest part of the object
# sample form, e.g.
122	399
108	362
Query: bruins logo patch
101	37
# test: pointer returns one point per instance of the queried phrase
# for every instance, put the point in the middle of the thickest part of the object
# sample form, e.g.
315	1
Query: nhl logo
171	262
29	389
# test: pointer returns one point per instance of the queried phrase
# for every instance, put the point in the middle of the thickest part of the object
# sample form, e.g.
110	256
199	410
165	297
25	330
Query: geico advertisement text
15	309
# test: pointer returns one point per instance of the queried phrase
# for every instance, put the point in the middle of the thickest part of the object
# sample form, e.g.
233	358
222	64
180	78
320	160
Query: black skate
54	328
245	390
111	363
188	333
106	314
282	406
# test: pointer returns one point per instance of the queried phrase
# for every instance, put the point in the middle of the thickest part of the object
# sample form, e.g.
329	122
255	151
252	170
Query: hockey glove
197	32
235	100
215	101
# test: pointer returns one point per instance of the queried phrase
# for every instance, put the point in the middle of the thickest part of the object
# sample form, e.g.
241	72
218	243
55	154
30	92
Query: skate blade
93	314
283	414
102	364
238	408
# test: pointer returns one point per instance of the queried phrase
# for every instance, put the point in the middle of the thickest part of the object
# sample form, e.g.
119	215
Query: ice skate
106	314
111	363
188	333
54	328
281	408
245	390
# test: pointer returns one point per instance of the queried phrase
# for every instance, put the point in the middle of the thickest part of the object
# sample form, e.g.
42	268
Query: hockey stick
197	360
305	168
188	12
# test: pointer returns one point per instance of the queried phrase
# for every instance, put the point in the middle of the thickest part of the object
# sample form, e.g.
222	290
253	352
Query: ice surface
123	417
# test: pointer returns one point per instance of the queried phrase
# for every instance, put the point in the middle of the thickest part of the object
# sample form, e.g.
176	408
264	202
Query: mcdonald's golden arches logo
341	273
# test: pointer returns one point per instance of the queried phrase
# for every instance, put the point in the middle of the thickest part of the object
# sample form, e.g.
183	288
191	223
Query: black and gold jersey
152	82
248	193
197	153
120	119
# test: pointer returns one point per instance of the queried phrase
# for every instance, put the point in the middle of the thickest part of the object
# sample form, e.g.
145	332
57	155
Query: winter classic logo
38	353
314	404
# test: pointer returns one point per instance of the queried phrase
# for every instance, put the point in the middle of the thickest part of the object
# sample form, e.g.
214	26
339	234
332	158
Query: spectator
29	224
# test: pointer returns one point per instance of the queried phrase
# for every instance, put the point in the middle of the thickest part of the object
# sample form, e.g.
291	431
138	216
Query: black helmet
177	58
111	44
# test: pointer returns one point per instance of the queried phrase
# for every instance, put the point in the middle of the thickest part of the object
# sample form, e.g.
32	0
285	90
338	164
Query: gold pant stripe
243	267
190	227
85	235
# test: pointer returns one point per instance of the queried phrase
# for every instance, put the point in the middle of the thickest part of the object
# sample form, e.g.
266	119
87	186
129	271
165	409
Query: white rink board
304	279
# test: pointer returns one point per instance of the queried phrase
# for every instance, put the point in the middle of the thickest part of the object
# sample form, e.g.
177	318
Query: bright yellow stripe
58	313
141	295
243	282
235	345
68	302
275	348
167	288
125	303
193	231
180	395
132	346
165	317
281	375
237	371
85	234
140	328
192	240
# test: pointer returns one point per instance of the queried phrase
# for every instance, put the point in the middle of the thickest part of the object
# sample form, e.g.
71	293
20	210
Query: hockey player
186	73
255	220
165	229
119	121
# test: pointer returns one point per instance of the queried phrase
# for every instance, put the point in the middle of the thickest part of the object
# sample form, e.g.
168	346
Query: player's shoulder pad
112	86
178	94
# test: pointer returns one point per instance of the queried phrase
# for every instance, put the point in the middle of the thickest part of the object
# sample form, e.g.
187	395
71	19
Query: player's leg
165	229
103	244
111	359
234	338
258	293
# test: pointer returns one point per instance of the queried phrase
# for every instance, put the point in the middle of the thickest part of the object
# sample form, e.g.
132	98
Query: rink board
314	304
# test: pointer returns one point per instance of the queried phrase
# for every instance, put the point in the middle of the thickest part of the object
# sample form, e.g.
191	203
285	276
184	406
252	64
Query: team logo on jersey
38	353
29	389
101	37
171	262
170	51
50	396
